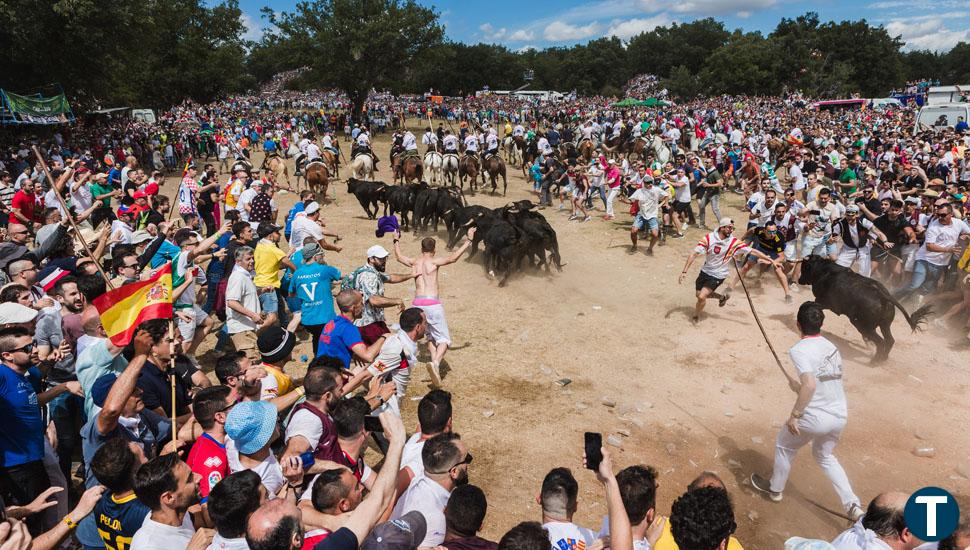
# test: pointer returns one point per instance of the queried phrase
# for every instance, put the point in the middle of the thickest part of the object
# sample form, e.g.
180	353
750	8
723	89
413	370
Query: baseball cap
266	228
312	208
852	208
101	387
404	533
377	251
912	200
139	195
724	222
275	344
12	313
49	277
250	424
151	189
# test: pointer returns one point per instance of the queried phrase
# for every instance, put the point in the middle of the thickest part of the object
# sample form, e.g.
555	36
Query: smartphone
307	459
593	443
373	424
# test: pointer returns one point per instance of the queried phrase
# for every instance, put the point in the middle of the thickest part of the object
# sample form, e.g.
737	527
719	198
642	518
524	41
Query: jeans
214	277
925	278
67	413
545	198
715	202
23	483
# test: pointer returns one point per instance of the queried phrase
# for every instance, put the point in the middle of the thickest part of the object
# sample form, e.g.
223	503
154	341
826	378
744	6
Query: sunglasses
26	349
467	460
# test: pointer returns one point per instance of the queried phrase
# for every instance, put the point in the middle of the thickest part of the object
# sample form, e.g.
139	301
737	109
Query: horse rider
450	143
553	136
328	144
409	143
471	144
518	131
545	148
586	132
430	139
363	146
507	130
491	143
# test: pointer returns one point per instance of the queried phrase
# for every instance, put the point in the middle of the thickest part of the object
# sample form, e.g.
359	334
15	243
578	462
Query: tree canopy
158	52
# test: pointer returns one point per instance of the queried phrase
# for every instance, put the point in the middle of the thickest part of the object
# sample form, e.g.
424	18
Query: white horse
362	166
432	166
661	151
512	153
449	166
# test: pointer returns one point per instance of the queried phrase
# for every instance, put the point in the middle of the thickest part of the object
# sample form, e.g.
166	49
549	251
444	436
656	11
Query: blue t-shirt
118	519
22	429
165	254
219	266
312	285
297	208
338	337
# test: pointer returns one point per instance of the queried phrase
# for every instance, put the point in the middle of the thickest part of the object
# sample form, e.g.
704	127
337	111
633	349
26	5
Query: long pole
760	326
172	374
70	218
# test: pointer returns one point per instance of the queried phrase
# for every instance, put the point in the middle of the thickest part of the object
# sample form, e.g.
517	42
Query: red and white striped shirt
719	252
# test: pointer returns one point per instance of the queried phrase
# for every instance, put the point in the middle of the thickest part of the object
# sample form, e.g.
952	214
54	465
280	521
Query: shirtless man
425	270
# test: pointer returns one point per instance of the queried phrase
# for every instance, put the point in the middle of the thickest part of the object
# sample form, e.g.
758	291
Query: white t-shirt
568	535
411	457
817	356
719	253
854	232
858	537
302	228
798	179
269	470
120	228
158	536
305	423
429	498
682	193
649	201
245	198
241	289
823	220
220	543
942	235
639	544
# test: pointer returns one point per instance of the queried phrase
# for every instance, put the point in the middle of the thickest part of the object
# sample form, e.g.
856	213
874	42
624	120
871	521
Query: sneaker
587	218
763	485
572	217
724	297
684	226
855	512
788	299
794	288
562	207
435	374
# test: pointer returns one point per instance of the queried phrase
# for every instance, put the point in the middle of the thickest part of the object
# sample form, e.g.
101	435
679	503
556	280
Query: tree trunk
357	97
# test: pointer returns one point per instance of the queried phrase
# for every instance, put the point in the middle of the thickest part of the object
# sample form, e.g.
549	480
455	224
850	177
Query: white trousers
822	430
610	197
849	256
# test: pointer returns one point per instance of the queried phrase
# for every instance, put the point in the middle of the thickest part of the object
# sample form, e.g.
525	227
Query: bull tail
916	318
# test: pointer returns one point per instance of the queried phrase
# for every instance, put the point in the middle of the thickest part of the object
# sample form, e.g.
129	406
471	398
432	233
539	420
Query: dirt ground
687	399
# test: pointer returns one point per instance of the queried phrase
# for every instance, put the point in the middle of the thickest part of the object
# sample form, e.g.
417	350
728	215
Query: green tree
357	45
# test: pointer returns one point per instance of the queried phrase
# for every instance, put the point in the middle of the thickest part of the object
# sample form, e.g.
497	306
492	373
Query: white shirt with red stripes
719	252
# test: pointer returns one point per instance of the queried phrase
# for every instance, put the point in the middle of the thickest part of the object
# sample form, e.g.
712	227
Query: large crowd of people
255	459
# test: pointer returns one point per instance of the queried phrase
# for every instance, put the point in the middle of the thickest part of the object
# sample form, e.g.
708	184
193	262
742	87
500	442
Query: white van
930	115
143	115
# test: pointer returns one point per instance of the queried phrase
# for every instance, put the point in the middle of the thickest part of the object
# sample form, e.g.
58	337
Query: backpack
260	208
350	281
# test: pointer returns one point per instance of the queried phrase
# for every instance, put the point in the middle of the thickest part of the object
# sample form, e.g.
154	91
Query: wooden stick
760	326
172	374
70	218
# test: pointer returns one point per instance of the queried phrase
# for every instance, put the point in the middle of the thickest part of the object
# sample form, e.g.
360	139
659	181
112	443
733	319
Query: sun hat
250	425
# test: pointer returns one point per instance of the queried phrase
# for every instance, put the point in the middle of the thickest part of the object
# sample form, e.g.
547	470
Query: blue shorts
269	302
639	222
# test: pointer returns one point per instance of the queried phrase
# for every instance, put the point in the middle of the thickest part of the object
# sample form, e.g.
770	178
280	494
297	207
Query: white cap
725	221
12	313
852	208
312	208
377	251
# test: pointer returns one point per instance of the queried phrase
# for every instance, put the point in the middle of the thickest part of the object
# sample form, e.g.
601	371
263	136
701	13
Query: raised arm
206	244
401	258
461	250
123	387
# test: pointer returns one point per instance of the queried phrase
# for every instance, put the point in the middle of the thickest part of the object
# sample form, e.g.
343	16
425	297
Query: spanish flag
124	308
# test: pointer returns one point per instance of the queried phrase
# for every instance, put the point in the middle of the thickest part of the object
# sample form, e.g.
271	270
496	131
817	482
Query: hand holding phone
594	455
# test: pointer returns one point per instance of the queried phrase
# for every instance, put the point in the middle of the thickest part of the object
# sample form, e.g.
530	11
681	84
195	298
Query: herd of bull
511	233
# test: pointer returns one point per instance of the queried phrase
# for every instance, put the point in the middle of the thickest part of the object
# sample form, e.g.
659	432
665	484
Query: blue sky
519	24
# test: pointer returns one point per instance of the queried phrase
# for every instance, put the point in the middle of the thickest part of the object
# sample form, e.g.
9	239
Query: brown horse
333	163
468	167
408	168
277	165
495	167
317	176
586	150
639	149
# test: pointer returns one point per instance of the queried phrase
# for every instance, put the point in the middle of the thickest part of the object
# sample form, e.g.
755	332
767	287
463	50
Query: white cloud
491	33
559	31
526	48
718	7
637	25
486	28
253	26
927	32
521	35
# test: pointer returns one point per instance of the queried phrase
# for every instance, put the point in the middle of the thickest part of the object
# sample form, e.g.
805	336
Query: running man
719	248
818	416
425	270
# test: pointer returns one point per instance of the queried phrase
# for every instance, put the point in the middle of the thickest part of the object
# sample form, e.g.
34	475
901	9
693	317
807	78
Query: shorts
681	207
790	250
246	342
434	312
651	224
269	302
813	245
579	195
187	329
707	281
370	333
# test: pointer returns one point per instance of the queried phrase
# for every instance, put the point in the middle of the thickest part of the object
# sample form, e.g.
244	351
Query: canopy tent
35	109
631	102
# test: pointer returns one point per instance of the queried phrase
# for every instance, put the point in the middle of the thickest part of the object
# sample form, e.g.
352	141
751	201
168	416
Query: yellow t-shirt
268	256
666	541
283	381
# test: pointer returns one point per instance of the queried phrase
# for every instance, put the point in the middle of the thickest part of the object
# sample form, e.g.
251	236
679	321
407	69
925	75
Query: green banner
38	110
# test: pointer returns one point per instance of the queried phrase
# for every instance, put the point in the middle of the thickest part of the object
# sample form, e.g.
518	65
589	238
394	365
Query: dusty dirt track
690	398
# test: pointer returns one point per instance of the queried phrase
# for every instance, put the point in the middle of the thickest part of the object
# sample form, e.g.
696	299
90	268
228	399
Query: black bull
866	303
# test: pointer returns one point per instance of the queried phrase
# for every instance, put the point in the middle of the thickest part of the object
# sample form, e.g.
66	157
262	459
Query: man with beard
369	280
169	525
310	427
54	327
446	461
